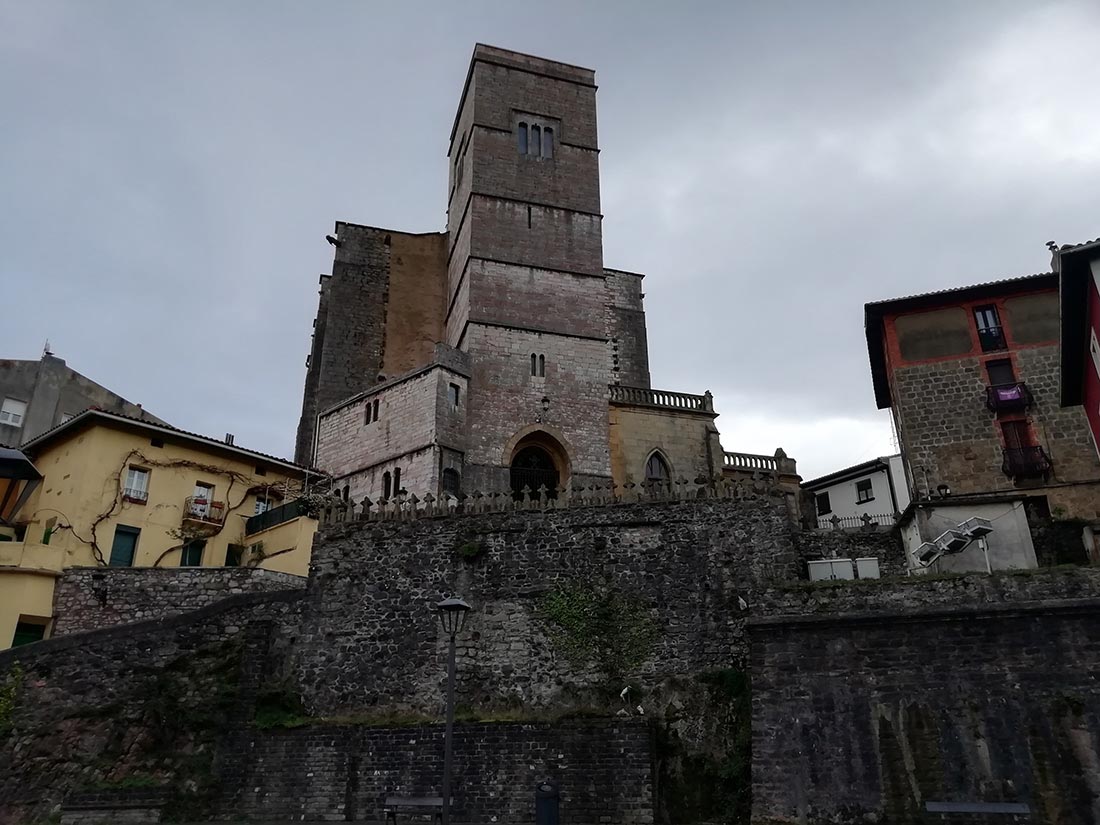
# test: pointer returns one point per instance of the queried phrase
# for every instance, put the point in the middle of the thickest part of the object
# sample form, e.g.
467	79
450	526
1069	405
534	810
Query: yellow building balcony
200	513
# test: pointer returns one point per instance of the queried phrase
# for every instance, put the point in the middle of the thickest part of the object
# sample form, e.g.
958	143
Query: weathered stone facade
957	691
517	285
90	598
345	772
937	371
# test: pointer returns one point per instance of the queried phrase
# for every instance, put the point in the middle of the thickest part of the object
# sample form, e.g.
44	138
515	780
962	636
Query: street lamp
452	615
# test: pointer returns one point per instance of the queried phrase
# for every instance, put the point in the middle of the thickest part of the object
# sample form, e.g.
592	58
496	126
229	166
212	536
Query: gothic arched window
386	486
656	469
452	481
521	137
534	146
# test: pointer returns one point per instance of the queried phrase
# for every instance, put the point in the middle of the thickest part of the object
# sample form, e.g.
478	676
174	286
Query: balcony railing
135	495
276	516
747	461
196	508
1008	397
1026	462
644	396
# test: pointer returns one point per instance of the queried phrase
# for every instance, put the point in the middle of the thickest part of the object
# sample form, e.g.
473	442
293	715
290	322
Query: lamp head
452	615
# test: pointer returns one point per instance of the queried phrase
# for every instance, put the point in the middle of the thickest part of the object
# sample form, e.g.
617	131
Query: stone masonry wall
604	770
371	637
89	598
626	328
884	545
150	700
949	434
866	718
682	437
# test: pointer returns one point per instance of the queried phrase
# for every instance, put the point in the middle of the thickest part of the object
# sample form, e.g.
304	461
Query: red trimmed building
971	376
1079	291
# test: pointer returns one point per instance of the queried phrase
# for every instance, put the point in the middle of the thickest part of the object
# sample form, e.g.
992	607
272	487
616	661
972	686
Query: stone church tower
500	353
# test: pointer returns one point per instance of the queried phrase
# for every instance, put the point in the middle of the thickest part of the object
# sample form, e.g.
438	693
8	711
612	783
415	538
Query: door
124	546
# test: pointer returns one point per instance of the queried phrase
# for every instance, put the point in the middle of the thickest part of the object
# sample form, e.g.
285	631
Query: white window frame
8	414
137	483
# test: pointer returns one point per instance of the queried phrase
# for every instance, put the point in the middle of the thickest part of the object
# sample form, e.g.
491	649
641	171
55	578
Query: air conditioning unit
952	541
928	553
976	527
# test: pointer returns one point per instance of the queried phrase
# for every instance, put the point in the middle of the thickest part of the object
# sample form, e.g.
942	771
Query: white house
875	488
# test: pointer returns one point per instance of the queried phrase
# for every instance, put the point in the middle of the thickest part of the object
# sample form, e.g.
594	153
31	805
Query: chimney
229	438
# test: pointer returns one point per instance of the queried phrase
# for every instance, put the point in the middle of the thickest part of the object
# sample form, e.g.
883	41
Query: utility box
547	797
825	569
867	568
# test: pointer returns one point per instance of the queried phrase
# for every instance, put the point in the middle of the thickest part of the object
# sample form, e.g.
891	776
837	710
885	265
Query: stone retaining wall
89	598
603	768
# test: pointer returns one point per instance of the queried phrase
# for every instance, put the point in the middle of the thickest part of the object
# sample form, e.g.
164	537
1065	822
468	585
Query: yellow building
118	491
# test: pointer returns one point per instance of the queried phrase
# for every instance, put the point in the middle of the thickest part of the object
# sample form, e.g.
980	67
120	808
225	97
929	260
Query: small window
990	333
346	492
261	471
1000	372
13	412
156	442
542	366
521	137
455	395
27	632
263	504
374	408
191	555
452	481
137	485
823	506
533	146
367	418
234	553
397	481
656	469
387	489
51	525
534	364
864	491
548	142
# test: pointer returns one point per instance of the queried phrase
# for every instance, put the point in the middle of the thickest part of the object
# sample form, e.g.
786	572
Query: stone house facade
501	353
971	377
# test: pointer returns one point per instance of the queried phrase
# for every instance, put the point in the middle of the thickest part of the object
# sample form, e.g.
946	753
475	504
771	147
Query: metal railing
201	509
1005	397
865	522
134	494
1025	462
748	461
646	397
276	516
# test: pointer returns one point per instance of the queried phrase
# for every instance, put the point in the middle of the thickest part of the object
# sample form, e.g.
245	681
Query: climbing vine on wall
590	623
9	692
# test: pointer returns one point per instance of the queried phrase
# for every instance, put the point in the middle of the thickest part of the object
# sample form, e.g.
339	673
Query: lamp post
452	615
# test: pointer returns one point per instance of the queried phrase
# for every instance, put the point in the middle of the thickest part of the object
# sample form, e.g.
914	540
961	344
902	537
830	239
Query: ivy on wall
593	624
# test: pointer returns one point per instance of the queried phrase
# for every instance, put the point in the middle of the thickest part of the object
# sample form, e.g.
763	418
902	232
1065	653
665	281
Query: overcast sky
168	172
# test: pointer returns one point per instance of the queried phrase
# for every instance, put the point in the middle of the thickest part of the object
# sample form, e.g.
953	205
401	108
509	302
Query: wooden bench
412	805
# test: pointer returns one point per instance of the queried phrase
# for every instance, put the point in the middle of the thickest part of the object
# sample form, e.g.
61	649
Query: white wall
843	498
1010	545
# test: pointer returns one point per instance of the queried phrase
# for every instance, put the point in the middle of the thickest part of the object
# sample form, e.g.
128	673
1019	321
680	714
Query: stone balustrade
646	397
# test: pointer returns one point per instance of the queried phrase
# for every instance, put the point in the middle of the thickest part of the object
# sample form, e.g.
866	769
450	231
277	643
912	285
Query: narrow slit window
375	406
534	364
367	416
521	137
536	140
386	488
528	217
542	366
397	481
548	142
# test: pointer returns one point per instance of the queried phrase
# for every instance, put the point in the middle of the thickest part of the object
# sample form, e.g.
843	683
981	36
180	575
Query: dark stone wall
89	598
151	700
884	545
342	772
371	637
987	696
